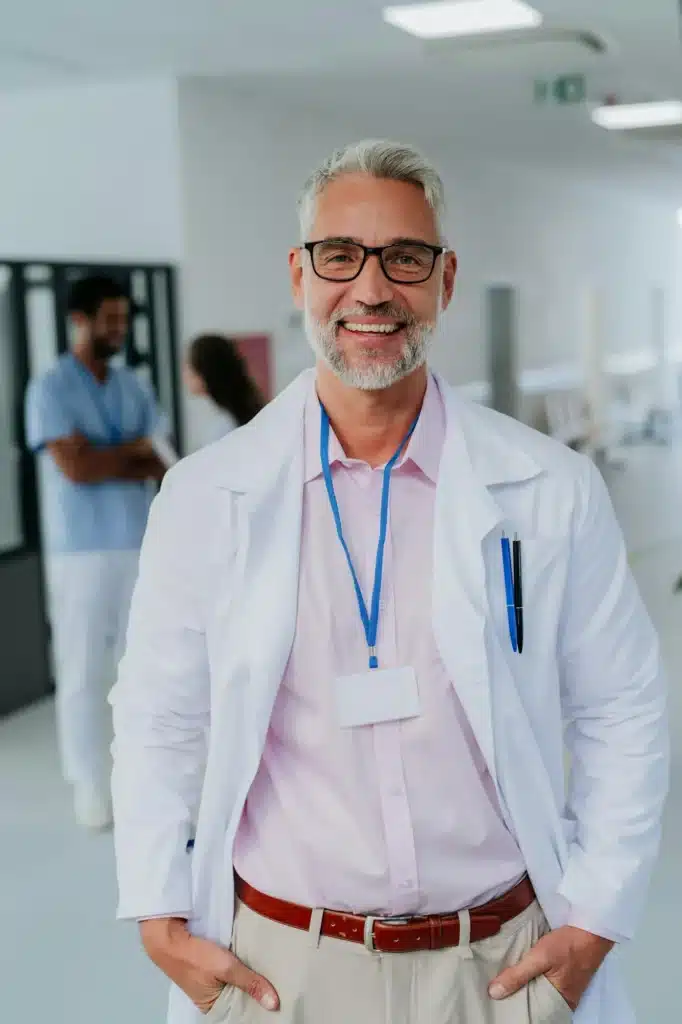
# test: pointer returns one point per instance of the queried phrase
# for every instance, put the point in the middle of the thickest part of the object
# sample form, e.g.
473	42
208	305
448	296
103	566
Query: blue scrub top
109	516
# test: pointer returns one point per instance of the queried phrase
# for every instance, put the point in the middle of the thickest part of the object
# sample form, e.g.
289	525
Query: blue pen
509	591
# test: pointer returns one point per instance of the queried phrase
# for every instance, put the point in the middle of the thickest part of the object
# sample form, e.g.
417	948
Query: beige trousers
335	982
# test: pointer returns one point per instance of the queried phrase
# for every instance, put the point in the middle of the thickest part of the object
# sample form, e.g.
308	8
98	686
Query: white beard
322	338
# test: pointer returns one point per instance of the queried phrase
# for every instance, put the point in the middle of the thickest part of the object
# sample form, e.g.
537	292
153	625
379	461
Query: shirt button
407	884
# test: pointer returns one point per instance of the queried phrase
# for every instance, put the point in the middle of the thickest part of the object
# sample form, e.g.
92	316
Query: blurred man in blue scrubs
91	424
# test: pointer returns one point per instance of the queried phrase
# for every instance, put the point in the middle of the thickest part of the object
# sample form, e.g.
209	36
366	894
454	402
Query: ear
296	273
449	275
79	320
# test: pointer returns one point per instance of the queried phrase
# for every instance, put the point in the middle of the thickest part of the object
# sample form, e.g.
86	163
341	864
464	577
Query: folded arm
85	463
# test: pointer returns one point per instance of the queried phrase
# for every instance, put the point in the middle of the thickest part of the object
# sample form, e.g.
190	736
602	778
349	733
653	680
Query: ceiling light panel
628	116
464	18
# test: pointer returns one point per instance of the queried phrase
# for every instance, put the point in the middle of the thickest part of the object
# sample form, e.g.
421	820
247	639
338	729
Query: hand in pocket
199	967
568	958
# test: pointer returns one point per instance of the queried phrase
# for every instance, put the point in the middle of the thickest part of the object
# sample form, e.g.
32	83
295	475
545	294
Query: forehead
113	307
373	210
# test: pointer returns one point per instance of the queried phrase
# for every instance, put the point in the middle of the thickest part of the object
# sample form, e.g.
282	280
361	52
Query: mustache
386	309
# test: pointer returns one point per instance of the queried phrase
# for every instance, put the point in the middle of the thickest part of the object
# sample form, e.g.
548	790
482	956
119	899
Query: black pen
518	593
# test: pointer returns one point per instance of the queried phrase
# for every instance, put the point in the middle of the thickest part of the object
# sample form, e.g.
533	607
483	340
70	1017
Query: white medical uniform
212	625
92	535
211	423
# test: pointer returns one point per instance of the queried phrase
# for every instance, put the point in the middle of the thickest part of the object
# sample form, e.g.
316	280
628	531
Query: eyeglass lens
342	261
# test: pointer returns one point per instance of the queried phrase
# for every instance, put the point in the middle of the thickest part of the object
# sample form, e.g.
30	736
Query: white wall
197	174
91	172
244	161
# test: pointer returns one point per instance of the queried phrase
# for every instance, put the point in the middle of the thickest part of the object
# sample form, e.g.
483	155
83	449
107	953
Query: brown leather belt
394	935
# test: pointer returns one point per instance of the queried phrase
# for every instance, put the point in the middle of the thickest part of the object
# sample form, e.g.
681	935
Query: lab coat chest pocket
544	564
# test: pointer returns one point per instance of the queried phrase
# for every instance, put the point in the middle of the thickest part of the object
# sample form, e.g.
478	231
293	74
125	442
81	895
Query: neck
97	367
371	424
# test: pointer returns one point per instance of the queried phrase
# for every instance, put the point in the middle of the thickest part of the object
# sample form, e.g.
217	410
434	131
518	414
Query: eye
338	257
410	256
404	258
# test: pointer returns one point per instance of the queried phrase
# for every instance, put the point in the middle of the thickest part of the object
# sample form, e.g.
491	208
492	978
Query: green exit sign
564	90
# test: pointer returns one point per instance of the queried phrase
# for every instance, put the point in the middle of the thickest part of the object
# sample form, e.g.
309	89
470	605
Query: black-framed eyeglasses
402	262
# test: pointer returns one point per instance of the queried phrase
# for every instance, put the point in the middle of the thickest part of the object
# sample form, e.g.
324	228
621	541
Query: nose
372	287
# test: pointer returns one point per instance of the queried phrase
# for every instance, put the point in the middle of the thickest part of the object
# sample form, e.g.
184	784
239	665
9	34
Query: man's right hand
140	449
201	968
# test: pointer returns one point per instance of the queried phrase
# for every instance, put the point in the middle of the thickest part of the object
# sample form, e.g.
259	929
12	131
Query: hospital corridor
340	511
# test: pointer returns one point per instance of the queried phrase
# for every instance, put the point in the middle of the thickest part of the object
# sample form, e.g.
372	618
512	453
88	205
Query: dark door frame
12	698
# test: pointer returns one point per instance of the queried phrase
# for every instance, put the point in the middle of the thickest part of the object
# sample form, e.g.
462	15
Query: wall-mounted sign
563	90
256	350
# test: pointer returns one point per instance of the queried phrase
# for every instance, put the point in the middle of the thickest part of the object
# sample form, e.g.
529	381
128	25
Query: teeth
372	328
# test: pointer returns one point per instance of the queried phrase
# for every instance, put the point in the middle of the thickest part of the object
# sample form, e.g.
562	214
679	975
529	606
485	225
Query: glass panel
141	332
42	329
37	274
11	529
139	287
163	340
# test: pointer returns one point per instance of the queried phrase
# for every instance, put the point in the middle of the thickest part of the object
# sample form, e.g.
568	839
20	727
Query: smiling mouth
356	328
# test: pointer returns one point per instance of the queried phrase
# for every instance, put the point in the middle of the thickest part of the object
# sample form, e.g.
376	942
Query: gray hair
381	159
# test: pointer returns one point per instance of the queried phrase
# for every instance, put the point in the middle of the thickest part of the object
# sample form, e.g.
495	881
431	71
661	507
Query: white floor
63	959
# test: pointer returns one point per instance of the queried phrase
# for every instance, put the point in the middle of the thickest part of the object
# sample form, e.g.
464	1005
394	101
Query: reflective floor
63	959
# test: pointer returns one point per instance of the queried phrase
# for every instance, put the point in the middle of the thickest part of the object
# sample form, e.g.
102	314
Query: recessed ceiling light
679	217
626	116
464	18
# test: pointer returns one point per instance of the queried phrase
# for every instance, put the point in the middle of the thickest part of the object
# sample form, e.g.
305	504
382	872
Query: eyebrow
393	241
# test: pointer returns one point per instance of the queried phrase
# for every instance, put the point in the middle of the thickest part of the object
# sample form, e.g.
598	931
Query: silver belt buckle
369	928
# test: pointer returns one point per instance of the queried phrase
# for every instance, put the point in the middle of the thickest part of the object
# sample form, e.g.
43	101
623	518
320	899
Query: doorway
34	332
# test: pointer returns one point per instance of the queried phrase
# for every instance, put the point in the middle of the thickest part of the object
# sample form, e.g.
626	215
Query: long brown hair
216	359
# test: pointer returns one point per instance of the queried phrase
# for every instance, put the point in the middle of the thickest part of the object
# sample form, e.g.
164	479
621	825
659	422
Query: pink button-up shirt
396	818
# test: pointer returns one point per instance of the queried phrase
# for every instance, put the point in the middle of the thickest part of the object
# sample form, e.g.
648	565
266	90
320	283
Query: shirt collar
423	451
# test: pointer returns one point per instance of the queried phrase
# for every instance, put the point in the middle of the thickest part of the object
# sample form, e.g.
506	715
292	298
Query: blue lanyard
113	425
370	620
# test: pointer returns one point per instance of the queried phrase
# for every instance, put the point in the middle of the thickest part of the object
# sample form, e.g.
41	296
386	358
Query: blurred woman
216	373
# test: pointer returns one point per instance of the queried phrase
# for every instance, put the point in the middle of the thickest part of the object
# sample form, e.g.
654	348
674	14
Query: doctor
388	605
89	423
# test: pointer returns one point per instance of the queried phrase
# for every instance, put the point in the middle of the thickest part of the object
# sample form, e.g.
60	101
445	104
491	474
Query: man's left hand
568	957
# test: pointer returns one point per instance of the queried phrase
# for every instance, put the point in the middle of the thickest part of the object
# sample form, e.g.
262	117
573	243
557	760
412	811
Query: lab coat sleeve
161	711
614	703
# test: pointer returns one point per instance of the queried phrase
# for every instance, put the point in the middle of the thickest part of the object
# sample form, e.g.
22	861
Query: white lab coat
212	625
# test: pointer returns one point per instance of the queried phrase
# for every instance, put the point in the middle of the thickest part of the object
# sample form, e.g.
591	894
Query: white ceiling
342	57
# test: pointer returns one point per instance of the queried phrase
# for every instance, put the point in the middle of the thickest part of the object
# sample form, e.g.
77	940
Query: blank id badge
375	696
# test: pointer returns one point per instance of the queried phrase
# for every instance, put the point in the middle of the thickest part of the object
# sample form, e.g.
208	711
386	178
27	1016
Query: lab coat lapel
465	514
252	633
474	460
272	525
265	477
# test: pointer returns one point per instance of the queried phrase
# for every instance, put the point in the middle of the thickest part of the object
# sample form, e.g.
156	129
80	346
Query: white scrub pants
89	598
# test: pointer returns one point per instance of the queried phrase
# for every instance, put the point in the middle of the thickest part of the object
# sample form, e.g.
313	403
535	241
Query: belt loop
464	945
369	934
315	929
